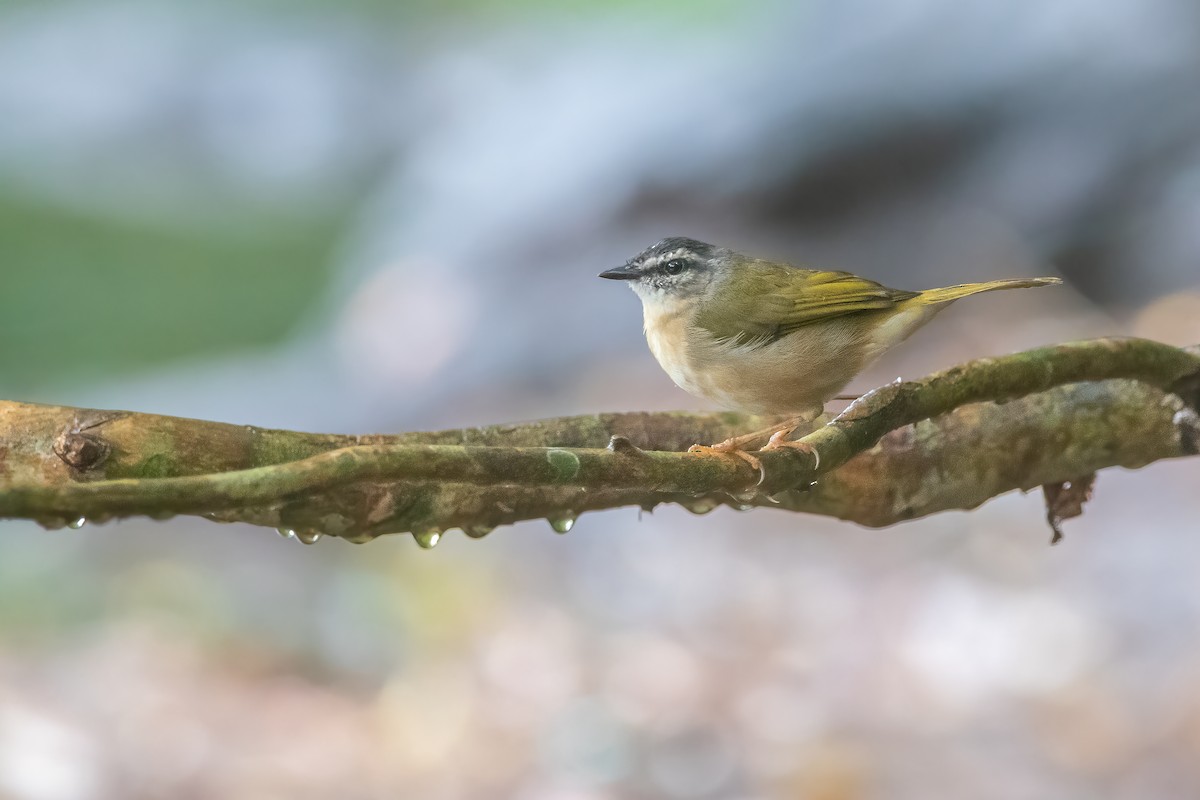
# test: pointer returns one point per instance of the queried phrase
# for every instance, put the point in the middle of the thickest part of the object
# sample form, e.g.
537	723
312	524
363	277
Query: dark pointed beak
625	273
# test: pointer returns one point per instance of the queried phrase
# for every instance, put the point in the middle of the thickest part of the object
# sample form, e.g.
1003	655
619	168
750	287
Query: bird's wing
770	303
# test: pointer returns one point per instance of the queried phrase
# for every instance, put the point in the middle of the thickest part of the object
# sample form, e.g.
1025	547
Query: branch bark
951	440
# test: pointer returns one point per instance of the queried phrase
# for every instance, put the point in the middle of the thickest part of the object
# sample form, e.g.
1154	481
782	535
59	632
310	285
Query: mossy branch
951	440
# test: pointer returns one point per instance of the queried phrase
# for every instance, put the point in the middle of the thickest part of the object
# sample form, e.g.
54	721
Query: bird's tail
950	293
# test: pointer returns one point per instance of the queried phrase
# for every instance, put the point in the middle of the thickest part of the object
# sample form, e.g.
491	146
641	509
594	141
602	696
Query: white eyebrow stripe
664	257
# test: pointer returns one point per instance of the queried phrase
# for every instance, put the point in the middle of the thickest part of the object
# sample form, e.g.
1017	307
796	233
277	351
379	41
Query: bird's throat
667	325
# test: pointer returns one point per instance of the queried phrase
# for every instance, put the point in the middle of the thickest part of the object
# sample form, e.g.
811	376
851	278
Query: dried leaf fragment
1065	500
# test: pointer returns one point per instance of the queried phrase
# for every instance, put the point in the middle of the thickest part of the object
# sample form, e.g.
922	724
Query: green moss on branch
1103	403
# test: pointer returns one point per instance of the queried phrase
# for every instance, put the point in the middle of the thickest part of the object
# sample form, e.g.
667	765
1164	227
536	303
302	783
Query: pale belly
795	375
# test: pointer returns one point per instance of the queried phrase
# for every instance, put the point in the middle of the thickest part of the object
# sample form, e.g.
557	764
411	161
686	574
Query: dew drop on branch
428	538
701	505
308	536
562	523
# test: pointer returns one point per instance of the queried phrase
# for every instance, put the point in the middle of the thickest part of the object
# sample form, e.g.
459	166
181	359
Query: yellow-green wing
763	303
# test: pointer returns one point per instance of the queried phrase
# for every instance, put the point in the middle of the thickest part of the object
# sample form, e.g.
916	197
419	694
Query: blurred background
368	216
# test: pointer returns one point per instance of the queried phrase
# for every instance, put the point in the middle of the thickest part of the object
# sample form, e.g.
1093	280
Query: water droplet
77	523
359	538
427	538
746	497
286	533
701	506
562	523
52	523
743	507
478	531
308	536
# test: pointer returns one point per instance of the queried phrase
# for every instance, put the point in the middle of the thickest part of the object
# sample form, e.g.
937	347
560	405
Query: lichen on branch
905	450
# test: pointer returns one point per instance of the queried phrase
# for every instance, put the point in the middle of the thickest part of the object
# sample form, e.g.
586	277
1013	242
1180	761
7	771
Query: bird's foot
779	441
738	446
730	447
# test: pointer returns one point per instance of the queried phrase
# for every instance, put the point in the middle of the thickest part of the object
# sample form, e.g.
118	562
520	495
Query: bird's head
675	271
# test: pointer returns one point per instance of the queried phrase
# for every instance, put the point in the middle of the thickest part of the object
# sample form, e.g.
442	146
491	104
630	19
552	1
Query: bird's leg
779	441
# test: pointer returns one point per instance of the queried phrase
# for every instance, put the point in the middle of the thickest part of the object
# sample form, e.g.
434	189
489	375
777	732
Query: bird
766	337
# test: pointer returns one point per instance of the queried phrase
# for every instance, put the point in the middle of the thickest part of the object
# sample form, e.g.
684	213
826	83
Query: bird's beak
625	273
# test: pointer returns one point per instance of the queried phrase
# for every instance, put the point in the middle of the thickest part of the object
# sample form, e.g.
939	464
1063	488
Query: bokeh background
371	216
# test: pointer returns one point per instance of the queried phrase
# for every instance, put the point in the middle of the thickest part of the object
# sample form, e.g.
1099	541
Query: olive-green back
761	302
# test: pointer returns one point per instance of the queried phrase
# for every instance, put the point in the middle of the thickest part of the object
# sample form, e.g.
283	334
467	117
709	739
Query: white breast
667	334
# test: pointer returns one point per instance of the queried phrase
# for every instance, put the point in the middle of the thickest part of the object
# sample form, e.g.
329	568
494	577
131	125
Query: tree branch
951	440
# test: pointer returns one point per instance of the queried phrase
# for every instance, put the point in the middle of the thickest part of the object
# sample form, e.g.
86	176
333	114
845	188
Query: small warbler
769	338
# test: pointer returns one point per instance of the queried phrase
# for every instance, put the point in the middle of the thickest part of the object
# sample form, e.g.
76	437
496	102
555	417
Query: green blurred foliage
82	295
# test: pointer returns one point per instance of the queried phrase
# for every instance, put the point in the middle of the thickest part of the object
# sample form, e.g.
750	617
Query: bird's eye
675	266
